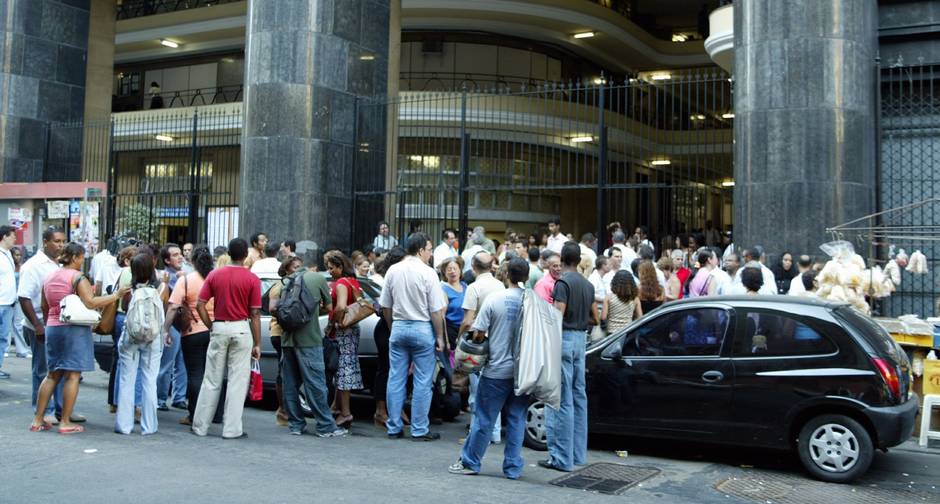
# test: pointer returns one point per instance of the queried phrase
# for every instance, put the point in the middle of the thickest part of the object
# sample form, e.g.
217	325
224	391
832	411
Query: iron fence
128	9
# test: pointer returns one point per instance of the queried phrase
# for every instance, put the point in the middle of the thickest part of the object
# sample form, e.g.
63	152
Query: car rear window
868	329
774	334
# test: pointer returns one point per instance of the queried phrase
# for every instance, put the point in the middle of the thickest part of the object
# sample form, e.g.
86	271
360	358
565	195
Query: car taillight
889	375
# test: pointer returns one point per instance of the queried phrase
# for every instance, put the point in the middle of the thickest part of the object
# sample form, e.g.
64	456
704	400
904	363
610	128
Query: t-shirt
7	278
310	335
578	295
235	291
266	266
499	317
33	275
454	314
535	274
544	287
412	291
479	290
186	292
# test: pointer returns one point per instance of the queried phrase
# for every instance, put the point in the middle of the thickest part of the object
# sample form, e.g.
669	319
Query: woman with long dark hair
652	294
381	334
784	271
345	290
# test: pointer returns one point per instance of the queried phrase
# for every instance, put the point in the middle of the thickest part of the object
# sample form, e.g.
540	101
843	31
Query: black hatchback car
776	372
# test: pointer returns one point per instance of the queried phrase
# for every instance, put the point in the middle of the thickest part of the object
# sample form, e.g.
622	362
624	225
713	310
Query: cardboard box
931	383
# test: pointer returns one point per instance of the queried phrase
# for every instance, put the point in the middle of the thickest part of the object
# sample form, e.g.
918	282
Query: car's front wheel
835	448
536	433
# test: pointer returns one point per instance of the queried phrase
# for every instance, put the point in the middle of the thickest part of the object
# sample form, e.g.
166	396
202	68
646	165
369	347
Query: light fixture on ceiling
727	183
169	43
679	37
661	76
367	57
583	35
697	117
728	115
582	139
228	60
163	138
415	158
599	80
660	162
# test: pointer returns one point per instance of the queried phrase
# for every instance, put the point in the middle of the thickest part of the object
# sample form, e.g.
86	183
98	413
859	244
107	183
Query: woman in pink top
703	284
69	348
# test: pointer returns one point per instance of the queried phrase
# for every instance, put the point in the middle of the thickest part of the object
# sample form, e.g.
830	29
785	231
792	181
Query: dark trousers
112	373
276	343
381	334
194	348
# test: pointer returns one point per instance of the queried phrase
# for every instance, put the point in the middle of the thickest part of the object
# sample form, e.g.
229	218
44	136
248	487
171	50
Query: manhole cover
785	489
606	478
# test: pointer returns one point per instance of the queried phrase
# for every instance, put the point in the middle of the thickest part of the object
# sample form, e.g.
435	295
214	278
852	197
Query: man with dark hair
7	289
258	242
731	267
384	240
288	249
413	303
752	259
535	270
234	340
642	237
445	250
269	265
499	318
172	366
556	240
803	264
567	427
588	242
32	277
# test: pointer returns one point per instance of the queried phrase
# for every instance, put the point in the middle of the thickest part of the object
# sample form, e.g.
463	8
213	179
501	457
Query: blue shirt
454	314
499	317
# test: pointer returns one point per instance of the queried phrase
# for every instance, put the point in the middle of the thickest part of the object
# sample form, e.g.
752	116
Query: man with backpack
298	314
234	338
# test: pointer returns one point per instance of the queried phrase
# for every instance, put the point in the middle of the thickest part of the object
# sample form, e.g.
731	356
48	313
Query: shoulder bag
73	311
359	310
183	321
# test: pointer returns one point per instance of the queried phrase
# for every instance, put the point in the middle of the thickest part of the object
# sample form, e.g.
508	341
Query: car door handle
712	376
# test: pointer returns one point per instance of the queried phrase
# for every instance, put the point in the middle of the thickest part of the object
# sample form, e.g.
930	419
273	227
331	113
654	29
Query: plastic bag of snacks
918	263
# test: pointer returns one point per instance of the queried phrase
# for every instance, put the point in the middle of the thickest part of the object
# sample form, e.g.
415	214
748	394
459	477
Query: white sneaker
458	468
339	432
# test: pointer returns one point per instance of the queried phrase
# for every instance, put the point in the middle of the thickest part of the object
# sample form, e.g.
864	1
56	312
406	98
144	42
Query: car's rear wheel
835	448
536	432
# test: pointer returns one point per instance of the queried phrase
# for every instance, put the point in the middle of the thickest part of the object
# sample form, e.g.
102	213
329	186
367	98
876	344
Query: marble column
43	46
804	130
307	62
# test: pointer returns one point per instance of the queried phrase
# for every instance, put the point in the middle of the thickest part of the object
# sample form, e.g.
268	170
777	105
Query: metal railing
182	98
128	9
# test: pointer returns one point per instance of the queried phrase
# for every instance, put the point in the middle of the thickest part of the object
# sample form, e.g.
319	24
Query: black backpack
296	307
446	402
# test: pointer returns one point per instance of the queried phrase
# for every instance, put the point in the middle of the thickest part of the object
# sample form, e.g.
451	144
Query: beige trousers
229	349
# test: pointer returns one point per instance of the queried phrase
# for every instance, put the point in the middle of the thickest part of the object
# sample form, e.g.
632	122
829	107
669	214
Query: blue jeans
567	427
6	328
146	358
304	366
493	396
172	371
474	380
410	342
40	371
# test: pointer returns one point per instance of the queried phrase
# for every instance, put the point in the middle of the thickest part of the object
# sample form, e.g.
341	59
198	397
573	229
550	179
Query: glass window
695	332
768	334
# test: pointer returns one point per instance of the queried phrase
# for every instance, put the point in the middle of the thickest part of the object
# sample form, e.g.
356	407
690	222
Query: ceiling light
163	138
697	117
582	139
367	57
415	158
661	76
727	183
581	35
729	115
170	43
600	80
228	60
660	162
678	37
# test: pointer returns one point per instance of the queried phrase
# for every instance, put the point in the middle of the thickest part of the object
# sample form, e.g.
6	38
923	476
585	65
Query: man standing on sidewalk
7	290
32	276
567	427
172	366
234	338
497	321
413	304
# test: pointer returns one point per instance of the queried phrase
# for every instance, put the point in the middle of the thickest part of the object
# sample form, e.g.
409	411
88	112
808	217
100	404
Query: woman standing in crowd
623	307
145	356
363	267
673	286
290	266
381	334
682	273
70	349
651	293
124	262
195	340
704	284
455	289
784	273
345	291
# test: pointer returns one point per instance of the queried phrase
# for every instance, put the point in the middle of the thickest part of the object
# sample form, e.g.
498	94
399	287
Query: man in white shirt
384	240
107	271
474	247
755	255
33	275
588	242
556	240
732	263
7	290
642	238
445	250
413	304
614	264
267	267
101	258
803	264
627	254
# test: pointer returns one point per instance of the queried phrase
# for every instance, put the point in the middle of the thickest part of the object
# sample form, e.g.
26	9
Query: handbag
73	311
330	354
108	314
357	311
256	382
183	321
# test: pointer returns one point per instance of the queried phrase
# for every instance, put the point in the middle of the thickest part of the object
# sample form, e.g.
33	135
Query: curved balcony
720	44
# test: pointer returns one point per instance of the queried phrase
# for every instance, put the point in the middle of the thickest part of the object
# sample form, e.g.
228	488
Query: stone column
307	61
804	120
99	88
43	44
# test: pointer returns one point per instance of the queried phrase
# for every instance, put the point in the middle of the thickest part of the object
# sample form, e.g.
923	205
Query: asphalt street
270	466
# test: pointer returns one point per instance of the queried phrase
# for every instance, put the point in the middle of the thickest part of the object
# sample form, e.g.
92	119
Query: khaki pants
229	348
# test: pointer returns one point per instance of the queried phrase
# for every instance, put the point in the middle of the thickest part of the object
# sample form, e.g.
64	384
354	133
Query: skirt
349	376
69	348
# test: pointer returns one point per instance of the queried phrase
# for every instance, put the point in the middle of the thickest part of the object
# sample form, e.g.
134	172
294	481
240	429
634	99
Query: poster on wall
20	218
83	224
58	209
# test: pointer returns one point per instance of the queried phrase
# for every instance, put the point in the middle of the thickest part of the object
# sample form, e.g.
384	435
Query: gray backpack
144	315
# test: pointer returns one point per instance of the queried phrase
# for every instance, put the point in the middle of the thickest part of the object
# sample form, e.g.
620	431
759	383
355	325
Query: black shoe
548	464
436	421
397	435
181	405
242	435
430	436
163	407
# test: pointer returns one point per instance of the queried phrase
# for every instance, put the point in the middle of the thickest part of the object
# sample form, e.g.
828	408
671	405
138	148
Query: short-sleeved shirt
58	285
578	295
310	335
544	287
499	317
186	292
454	314
235	291
479	290
33	275
412	291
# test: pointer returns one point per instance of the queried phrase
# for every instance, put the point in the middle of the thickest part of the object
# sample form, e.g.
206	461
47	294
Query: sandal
379	420
41	427
71	430
344	421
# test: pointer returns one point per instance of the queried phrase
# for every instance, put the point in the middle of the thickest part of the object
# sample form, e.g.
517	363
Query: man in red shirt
234	338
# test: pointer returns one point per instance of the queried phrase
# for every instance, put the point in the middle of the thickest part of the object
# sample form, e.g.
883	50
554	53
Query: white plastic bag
918	263
538	351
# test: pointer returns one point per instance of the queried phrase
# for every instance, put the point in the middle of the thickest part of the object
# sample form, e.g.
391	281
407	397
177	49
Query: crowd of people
186	323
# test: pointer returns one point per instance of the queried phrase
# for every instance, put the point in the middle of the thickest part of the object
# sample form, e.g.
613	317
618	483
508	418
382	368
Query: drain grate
612	479
786	489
